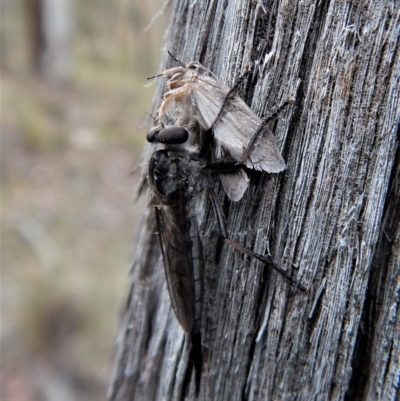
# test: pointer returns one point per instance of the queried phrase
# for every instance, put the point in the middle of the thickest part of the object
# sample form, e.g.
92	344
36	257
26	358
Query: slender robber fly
197	103
177	179
200	114
174	178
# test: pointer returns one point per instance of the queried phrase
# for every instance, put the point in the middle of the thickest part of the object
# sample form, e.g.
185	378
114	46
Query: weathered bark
332	218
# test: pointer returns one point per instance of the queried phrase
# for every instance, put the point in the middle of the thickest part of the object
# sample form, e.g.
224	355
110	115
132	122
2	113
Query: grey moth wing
193	95
186	110
178	267
235	127
195	98
234	184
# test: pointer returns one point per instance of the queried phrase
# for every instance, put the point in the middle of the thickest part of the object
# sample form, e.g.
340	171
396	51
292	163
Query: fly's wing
235	127
177	264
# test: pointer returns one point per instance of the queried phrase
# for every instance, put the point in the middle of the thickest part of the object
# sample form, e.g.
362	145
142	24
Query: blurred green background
69	147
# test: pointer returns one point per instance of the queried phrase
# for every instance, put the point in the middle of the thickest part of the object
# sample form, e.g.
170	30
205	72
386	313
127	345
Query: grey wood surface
331	219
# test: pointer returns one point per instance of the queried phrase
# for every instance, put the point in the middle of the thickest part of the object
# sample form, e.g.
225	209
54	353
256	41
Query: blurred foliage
68	213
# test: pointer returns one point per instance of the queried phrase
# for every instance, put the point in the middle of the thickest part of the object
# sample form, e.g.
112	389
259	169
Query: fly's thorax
173	173
162	175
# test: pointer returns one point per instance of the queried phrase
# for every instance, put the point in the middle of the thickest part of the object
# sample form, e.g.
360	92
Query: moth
211	113
177	179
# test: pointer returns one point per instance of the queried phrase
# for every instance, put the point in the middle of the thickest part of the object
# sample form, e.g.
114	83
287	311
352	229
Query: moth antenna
175	59
156	76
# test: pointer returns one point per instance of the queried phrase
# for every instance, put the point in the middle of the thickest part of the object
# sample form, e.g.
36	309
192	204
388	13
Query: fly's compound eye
171	135
152	133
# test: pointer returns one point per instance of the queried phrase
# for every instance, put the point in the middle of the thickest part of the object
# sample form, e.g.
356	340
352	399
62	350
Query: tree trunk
50	30
331	218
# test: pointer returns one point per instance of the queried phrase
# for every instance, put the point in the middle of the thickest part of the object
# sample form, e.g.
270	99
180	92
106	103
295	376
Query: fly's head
169	135
189	138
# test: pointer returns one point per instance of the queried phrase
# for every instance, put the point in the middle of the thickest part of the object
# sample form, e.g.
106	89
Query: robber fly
174	178
196	99
199	113
177	179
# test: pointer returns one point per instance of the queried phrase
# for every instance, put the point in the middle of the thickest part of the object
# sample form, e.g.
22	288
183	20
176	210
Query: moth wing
235	127
174	103
234	184
265	154
208	96
177	264
177	106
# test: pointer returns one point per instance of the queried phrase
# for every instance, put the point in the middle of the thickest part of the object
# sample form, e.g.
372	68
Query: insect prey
215	115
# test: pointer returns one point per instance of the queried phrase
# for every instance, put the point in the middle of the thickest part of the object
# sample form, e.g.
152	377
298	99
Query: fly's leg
224	167
219	215
263	124
228	95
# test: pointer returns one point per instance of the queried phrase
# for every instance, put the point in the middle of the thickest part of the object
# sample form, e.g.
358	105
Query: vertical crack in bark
362	356
260	308
312	40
